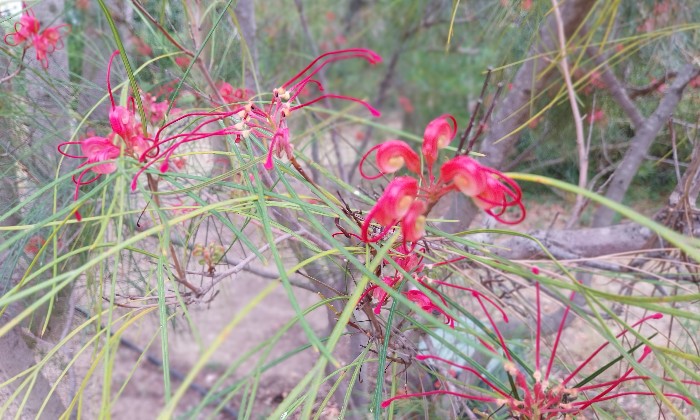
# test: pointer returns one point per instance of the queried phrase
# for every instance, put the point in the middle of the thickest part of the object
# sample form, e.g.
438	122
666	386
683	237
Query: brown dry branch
514	109
615	88
642	140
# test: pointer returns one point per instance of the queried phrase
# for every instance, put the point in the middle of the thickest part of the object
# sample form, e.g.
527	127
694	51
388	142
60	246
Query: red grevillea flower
102	151
285	99
27	27
535	397
27	32
391	207
491	190
267	121
438	135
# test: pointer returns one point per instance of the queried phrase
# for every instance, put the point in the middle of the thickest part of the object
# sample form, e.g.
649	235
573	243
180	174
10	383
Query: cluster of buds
535	396
233	95
127	133
410	260
408	199
412	263
209	255
27	33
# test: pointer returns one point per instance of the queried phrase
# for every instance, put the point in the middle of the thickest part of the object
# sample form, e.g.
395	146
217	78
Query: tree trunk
514	110
640	143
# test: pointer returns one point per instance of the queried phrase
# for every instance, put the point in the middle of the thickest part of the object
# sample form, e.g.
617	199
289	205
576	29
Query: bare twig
616	90
578	122
246	261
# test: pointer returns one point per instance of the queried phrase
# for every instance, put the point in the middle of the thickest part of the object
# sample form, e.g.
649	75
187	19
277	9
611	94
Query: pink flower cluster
411	261
267	121
535	396
100	152
408	199
27	33
233	95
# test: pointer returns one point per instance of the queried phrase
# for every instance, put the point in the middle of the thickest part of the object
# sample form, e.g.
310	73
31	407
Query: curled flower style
491	190
500	194
536	396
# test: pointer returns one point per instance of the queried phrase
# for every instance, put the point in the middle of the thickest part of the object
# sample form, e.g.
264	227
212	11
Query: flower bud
438	134
121	120
466	174
413	224
394	154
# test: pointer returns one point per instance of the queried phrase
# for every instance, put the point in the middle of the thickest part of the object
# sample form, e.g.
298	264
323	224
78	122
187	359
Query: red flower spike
540	399
438	134
27	32
466	174
413	224
27	27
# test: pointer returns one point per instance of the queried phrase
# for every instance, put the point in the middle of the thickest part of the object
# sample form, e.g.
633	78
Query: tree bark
513	111
640	143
